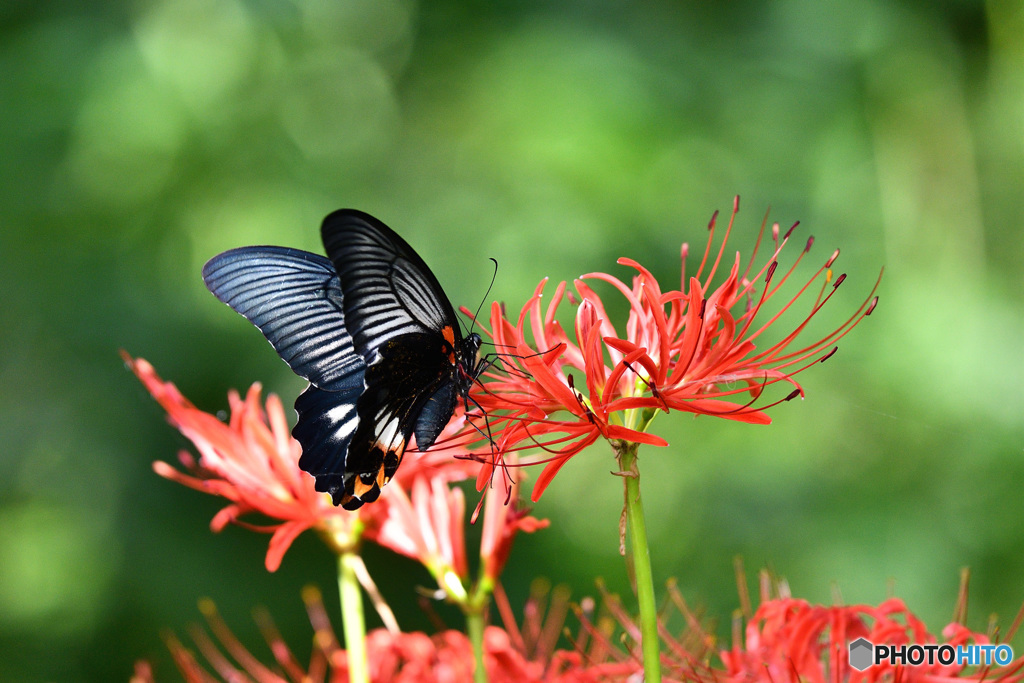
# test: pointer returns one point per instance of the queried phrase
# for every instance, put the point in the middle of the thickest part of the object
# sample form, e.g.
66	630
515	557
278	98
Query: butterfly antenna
494	275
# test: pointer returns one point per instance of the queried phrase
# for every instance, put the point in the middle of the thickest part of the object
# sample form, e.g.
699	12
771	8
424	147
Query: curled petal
281	541
226	516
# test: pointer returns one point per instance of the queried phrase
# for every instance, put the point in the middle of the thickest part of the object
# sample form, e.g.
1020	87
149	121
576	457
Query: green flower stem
474	606
475	631
637	529
352	621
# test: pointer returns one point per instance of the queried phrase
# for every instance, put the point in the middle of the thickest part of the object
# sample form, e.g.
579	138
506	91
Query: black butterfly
372	331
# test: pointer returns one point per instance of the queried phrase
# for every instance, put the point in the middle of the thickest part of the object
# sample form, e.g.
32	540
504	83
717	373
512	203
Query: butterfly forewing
389	290
294	298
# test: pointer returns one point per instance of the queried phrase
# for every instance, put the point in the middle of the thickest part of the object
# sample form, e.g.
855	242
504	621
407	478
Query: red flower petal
281	541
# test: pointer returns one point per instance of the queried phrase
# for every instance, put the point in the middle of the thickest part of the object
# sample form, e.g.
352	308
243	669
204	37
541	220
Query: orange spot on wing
360	489
396	452
448	332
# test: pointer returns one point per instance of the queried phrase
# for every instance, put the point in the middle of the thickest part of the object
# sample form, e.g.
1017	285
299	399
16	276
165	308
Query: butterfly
374	334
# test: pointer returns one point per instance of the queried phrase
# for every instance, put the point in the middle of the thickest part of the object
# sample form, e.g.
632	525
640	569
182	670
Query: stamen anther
829	354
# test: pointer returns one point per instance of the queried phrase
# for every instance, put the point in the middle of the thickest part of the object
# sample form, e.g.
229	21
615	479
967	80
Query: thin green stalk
637	529
352	621
475	631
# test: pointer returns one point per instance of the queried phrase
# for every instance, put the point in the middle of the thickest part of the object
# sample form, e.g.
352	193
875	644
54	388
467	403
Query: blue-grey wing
295	299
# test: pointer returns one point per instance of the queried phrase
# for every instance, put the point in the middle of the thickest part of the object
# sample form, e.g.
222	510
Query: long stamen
707	249
865	309
725	240
757	245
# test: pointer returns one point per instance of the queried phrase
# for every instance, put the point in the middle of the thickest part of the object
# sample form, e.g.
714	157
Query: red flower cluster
789	639
393	657
426	523
786	641
252	461
694	349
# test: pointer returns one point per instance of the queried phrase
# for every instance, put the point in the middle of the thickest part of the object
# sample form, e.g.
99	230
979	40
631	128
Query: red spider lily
609	637
427	525
252	461
789	639
398	657
694	350
595	653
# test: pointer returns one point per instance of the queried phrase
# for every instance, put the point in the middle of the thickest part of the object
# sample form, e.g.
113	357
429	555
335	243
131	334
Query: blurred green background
140	138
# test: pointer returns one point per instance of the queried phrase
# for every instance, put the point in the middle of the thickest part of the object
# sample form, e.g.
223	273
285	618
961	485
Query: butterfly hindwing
410	370
295	298
327	422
